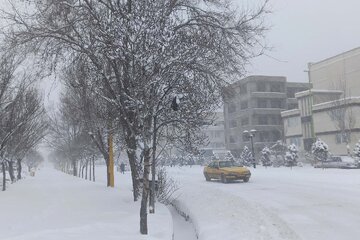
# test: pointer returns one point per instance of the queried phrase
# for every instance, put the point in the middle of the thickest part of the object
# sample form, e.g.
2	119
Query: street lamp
250	135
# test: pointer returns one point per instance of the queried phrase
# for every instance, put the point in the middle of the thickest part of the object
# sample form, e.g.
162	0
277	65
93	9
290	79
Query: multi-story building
329	110
255	103
215	137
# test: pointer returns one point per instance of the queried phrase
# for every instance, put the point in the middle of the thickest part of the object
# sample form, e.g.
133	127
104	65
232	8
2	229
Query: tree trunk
131	152
74	168
90	176
107	172
19	169
145	193
153	169
82	171
11	171
4	176
93	160
86	169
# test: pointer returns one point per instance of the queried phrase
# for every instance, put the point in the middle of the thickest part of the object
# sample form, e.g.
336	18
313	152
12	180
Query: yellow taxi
226	171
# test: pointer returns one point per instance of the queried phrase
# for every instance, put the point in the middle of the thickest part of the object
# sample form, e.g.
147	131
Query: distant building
215	133
329	110
256	102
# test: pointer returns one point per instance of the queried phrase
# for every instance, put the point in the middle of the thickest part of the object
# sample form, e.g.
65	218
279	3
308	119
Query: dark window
291	93
232	108
243	89
275	136
275	87
244	121
233	124
261	87
276	103
293	106
262	103
264	136
244	105
263	120
275	120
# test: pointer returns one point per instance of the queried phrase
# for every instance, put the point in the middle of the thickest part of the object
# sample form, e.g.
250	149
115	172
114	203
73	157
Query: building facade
334	122
329	110
255	103
215	137
340	72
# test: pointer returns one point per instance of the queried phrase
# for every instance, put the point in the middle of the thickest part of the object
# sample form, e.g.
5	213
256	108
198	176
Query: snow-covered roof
290	113
330	104
317	91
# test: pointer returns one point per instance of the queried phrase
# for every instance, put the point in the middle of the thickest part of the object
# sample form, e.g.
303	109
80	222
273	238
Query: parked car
226	171
344	162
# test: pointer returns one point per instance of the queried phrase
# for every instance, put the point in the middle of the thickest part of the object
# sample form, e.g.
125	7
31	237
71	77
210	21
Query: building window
263	120
275	120
276	103
264	136
232	139
244	121
291	93
261	87
232	108
275	136
233	124
293	106
262	103
342	138
243	89
275	87
244	105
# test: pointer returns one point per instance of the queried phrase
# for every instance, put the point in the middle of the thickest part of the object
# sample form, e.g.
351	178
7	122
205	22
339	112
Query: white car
344	162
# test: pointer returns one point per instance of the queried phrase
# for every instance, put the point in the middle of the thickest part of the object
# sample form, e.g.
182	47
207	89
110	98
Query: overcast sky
307	31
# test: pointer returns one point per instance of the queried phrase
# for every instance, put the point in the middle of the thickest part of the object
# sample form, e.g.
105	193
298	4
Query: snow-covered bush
356	150
279	150
265	157
320	150
166	187
246	157
291	156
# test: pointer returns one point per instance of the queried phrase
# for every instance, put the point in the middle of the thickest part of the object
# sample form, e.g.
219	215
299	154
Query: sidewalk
54	206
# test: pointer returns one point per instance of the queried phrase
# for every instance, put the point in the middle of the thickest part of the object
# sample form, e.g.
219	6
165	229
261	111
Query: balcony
262	111
268	95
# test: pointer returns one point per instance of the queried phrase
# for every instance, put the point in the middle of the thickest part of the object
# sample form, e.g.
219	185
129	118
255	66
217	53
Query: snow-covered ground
56	206
277	203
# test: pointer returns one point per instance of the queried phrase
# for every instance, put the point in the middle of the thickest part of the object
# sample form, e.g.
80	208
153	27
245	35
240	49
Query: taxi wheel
246	179
207	177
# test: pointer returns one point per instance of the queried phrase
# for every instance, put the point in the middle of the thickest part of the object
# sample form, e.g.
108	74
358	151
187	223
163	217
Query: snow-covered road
277	203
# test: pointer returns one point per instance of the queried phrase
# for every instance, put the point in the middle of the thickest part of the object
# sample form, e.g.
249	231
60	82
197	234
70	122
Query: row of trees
137	71
23	123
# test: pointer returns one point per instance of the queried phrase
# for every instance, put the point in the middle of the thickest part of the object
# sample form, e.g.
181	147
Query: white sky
302	31
306	31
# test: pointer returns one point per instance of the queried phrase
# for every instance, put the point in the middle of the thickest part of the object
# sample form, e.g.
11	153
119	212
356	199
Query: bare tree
145	54
341	112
